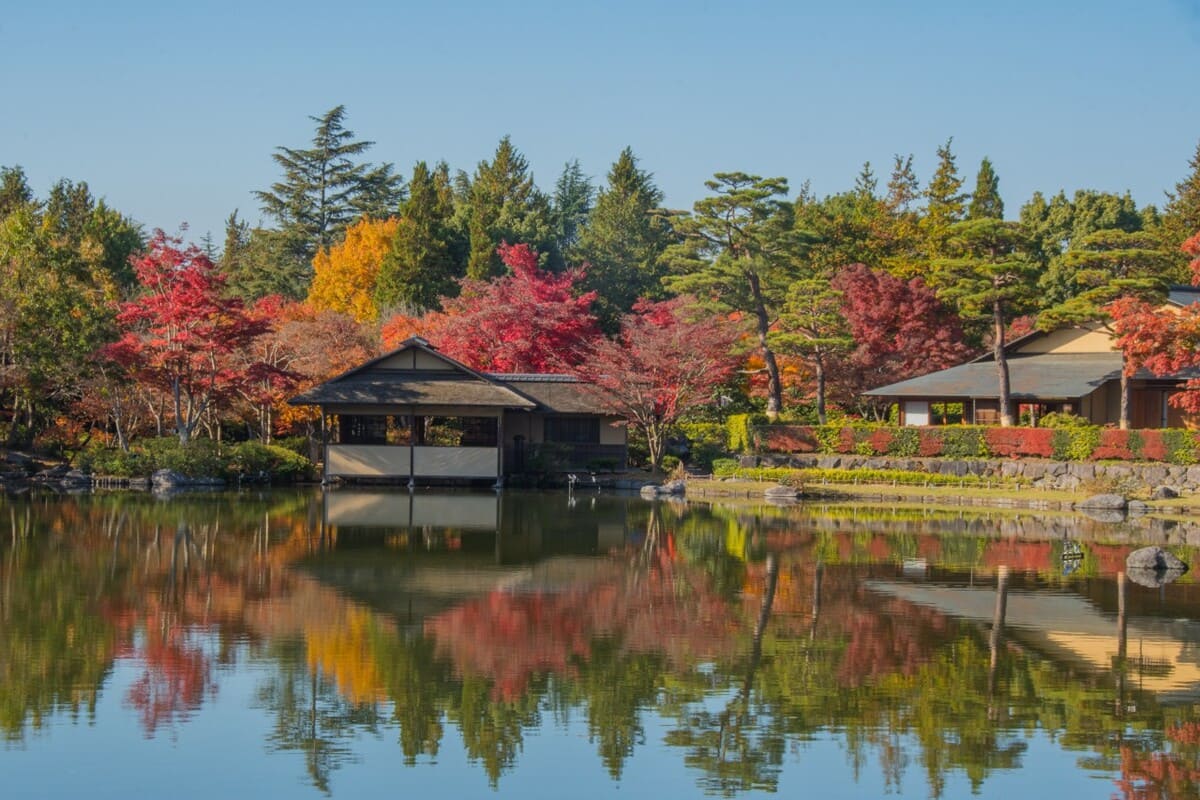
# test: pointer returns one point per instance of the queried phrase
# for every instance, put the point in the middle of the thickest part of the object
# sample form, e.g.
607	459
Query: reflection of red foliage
895	639
1110	558
1021	556
175	678
510	637
1157	775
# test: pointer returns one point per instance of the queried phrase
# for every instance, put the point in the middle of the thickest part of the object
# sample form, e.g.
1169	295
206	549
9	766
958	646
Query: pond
381	643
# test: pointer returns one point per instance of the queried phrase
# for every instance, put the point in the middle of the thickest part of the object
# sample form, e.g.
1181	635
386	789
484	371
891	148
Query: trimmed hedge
1074	443
727	468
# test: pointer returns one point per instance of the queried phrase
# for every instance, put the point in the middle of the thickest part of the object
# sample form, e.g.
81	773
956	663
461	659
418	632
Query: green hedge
728	468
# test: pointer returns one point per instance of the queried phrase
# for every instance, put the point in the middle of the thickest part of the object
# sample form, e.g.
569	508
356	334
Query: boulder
779	491
670	488
1164	493
1104	502
1154	558
168	479
1136	508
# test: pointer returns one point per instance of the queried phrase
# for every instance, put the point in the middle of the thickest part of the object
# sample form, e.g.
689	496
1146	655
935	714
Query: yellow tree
344	275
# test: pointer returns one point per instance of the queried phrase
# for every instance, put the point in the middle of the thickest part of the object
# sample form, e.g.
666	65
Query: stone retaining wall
1042	474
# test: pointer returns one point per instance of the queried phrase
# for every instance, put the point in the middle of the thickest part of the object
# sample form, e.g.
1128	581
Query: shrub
706	441
670	463
724	467
740	433
1115	444
906	442
254	460
1020	441
930	442
963	443
788	439
1180	446
1075	443
1059	419
1153	447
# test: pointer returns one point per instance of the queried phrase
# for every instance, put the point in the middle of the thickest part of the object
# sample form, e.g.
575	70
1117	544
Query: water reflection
935	649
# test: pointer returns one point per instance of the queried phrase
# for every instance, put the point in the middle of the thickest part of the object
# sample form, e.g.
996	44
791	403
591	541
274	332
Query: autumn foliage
530	320
181	335
344	276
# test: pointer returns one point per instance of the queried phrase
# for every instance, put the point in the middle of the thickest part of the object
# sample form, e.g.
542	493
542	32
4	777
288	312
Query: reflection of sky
222	751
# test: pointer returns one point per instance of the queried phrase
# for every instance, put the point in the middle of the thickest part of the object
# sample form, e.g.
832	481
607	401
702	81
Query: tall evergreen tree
572	202
903	188
623	241
945	202
738	248
234	262
985	201
14	190
866	184
1181	215
989	279
427	252
502	204
1107	265
325	187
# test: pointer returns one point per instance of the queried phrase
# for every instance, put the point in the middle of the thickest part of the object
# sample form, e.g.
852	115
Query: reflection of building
417	414
414	554
1160	656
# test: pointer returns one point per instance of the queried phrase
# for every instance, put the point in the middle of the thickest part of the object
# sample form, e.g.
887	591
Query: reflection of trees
55	650
311	717
749	633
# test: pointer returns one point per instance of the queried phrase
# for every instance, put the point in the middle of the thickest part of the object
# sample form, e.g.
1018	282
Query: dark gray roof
397	387
1035	377
532	377
1183	295
561	396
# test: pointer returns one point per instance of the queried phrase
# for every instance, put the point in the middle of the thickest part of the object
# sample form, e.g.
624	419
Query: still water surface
369	644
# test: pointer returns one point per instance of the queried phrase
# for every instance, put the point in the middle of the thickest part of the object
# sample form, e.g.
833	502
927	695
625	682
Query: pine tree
946	202
571	205
738	249
989	279
1181	215
233	262
426	254
14	190
623	241
326	187
866	183
985	201
502	204
903	188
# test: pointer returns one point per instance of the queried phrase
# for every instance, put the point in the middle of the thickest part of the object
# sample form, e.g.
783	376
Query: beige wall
397	508
456	462
1082	339
367	460
413	359
390	461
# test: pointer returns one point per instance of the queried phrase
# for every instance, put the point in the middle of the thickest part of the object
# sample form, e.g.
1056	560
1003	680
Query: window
375	429
459	432
572	430
361	429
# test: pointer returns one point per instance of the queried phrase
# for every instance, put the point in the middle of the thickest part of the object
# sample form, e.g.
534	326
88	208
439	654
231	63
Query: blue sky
172	110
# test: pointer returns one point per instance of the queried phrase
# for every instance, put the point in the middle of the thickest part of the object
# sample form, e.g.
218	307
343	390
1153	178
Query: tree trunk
763	324
820	364
1126	392
1006	418
181	429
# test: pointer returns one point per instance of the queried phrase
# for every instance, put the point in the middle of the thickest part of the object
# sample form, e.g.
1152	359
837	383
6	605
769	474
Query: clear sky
171	110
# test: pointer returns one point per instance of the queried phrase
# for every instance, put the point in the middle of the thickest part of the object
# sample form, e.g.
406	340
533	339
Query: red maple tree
180	333
663	364
900	328
530	320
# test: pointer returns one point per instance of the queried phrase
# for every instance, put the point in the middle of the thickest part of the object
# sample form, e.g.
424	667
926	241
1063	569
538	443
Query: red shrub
1020	441
881	441
1153	446
931	442
846	440
1113	444
788	439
